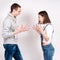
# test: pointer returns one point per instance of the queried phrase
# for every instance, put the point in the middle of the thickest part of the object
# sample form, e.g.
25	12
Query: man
10	30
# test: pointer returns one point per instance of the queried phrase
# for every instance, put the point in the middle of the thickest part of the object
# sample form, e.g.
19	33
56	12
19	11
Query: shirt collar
43	25
14	18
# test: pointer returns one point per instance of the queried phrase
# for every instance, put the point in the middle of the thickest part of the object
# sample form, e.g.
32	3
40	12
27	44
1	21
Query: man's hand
21	28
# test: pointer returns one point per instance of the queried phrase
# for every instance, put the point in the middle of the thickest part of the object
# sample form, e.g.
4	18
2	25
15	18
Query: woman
45	29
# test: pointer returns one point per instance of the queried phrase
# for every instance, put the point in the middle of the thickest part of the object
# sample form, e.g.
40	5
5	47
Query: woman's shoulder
49	27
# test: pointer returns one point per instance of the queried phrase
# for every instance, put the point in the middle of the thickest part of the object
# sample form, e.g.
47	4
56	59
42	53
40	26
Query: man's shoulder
7	20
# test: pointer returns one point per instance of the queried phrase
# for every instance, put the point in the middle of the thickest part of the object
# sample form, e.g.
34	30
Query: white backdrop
29	42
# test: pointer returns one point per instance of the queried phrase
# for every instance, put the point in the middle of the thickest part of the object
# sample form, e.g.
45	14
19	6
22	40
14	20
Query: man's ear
14	10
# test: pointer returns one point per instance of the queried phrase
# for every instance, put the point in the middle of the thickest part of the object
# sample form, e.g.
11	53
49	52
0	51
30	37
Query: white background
29	42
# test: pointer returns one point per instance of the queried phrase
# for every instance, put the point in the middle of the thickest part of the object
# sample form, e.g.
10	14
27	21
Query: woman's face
40	19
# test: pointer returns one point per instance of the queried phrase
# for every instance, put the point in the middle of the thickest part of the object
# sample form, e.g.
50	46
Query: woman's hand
38	28
44	43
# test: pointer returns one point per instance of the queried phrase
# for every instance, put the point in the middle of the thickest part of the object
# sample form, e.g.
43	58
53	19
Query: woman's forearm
45	36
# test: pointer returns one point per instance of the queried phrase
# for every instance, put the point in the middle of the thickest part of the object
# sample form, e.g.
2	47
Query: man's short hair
15	6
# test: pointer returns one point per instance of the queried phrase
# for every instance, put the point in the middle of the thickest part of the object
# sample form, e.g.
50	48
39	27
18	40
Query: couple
10	30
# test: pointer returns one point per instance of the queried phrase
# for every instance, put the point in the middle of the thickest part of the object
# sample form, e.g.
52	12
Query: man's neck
13	14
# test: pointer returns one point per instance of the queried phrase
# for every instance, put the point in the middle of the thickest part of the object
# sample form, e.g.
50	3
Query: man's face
17	11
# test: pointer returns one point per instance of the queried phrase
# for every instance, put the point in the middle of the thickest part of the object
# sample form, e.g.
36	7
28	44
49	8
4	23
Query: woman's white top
48	28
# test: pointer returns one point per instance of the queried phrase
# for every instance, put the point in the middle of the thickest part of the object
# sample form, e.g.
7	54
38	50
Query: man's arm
6	29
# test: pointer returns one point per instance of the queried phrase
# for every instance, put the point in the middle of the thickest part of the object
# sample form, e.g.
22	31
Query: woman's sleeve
49	31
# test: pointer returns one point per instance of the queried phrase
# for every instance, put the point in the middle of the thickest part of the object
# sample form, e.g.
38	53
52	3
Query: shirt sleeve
6	29
49	32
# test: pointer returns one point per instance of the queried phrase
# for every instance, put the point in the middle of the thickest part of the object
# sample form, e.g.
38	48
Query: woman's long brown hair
46	17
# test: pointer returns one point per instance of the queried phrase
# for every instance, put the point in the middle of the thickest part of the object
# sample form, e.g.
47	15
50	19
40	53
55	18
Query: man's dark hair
15	6
46	17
